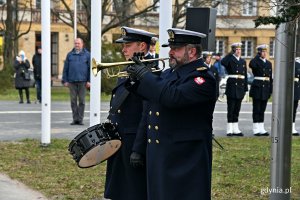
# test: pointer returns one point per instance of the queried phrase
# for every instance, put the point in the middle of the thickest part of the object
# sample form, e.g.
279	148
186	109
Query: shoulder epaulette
201	68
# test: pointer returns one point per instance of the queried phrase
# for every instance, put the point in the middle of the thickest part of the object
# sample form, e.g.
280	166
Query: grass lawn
57	94
240	171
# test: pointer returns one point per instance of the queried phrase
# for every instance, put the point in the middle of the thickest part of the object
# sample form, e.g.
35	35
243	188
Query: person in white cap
207	57
22	78
261	88
296	93
236	87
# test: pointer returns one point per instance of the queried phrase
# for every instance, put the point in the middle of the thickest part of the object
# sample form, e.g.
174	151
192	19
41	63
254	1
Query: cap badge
171	35
123	32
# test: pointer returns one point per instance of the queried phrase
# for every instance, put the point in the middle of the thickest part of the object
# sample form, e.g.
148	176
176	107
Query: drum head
99	153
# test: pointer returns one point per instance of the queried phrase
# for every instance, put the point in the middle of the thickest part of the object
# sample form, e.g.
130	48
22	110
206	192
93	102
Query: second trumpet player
126	172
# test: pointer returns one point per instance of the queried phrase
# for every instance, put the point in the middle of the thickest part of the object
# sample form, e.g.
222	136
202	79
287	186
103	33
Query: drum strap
120	99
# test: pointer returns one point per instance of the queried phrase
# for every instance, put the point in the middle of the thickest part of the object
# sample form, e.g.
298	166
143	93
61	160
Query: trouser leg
81	96
27	95
20	95
73	98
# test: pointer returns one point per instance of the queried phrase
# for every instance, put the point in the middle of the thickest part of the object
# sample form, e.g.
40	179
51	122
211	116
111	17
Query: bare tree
118	12
16	12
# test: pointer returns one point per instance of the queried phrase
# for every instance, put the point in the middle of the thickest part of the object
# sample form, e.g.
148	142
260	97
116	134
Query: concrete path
14	190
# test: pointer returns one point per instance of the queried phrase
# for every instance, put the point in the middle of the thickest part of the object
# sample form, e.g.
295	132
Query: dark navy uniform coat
179	132
123	182
297	83
235	88
260	89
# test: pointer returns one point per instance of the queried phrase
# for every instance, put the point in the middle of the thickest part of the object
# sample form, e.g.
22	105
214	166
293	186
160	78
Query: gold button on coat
119	111
157	141
149	140
157	113
149	127
156	127
150	112
114	95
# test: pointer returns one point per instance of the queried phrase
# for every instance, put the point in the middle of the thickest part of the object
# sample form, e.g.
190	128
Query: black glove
138	70
136	160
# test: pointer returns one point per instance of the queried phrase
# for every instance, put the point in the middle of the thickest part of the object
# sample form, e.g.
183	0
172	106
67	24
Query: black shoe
264	134
73	123
257	134
229	134
80	123
21	102
28	102
238	134
296	134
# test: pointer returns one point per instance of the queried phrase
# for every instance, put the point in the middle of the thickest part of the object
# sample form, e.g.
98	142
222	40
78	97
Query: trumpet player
126	171
261	88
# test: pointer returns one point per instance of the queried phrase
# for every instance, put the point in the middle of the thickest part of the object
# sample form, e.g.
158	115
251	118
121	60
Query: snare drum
95	144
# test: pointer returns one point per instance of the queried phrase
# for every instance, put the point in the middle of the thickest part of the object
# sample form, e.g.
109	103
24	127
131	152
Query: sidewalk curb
14	190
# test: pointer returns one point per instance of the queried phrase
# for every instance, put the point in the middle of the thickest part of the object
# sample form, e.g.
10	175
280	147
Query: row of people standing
22	76
260	90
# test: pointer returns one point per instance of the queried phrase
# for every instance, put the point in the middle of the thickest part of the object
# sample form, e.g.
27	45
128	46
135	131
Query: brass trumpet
97	66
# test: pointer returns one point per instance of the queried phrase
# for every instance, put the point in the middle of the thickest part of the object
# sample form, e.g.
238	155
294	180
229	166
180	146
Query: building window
222	8
272	47
247	48
220	45
80	5
249	8
38	4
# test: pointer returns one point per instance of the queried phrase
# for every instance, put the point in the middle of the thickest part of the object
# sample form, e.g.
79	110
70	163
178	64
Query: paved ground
19	121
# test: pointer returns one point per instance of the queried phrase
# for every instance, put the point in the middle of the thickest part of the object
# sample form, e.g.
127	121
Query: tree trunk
9	33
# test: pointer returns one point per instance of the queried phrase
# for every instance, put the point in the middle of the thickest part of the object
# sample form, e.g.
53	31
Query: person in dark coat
207	56
296	93
261	88
236	87
22	79
126	171
37	71
76	76
178	120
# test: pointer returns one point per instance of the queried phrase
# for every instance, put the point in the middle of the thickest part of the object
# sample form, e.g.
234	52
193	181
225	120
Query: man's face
130	48
208	59
78	44
178	56
238	52
263	54
152	48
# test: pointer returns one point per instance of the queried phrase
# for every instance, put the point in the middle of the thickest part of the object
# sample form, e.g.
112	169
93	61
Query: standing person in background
126	171
236	87
296	93
152	49
207	57
261	88
22	78
76	76
37	70
218	65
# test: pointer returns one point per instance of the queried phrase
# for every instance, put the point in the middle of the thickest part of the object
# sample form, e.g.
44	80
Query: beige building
234	24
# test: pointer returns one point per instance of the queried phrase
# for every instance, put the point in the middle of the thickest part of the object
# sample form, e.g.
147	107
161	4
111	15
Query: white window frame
221	41
222	8
249	7
272	48
248	47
